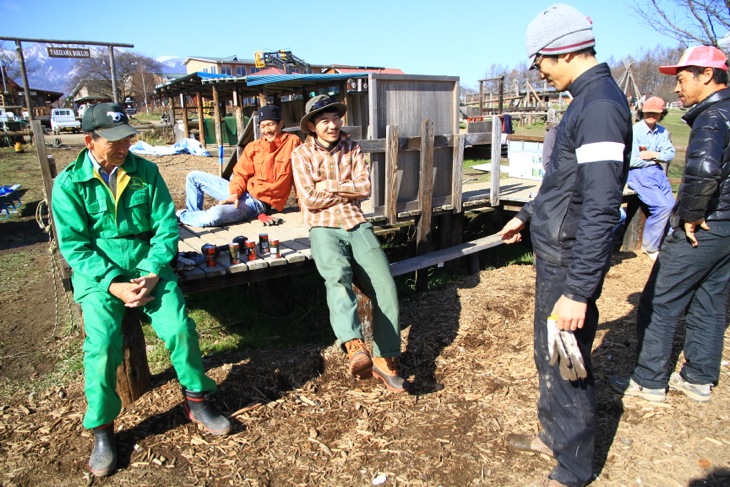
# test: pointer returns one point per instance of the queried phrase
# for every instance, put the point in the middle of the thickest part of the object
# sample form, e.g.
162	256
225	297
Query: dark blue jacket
578	203
705	189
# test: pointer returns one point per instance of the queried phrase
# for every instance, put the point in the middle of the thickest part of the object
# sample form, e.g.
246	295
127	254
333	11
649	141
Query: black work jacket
578	203
705	189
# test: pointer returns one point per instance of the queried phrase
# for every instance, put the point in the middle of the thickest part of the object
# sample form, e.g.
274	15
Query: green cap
108	120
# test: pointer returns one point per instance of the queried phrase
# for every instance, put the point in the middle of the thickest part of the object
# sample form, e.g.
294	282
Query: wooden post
391	173
184	106
240	125
40	143
201	120
496	161
217	117
425	199
457	174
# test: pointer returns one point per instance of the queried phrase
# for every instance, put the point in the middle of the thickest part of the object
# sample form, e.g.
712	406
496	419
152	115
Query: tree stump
133	375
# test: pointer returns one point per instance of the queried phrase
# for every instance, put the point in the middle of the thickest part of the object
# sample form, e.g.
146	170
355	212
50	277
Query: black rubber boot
199	410
103	459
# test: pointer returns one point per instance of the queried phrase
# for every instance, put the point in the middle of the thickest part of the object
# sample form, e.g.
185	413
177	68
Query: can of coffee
263	244
233	251
275	248
250	250
209	253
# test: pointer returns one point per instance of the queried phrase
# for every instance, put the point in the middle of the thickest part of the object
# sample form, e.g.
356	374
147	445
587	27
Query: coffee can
233	249
209	253
250	250
263	244
275	248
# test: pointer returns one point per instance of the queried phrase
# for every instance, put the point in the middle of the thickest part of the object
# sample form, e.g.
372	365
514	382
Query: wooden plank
191	274
439	256
407	144
391	173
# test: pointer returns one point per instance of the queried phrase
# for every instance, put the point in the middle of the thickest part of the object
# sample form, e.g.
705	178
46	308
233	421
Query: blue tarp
185	146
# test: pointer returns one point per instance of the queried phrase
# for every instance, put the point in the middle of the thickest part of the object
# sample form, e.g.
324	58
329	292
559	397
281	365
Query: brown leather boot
384	368
361	365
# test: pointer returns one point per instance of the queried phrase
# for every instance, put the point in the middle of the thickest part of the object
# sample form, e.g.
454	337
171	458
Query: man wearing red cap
692	272
652	146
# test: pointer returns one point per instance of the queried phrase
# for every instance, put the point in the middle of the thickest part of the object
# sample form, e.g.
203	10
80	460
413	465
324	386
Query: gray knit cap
558	30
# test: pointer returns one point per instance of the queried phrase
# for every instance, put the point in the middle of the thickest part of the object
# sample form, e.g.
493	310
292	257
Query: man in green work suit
116	227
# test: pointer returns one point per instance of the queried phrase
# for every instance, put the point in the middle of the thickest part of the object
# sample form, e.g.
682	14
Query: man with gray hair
572	219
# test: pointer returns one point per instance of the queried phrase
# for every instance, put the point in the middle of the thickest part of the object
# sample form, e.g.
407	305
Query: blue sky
455	38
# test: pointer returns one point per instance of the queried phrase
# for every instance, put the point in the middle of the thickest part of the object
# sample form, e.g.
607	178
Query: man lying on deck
261	180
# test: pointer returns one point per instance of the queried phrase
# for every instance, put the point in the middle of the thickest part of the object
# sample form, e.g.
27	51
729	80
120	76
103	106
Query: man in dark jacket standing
694	272
571	222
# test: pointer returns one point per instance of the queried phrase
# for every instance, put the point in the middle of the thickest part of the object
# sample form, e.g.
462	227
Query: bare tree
135	73
688	21
9	59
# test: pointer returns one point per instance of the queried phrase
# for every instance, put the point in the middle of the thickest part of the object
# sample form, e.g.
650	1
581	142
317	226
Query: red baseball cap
702	56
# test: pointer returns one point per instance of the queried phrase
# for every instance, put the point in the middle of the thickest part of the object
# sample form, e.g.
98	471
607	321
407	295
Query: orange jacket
265	170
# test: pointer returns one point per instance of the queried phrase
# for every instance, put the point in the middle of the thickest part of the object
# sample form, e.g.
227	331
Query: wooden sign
68	52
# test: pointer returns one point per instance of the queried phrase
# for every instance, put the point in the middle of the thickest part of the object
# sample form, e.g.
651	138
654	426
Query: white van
64	119
82	109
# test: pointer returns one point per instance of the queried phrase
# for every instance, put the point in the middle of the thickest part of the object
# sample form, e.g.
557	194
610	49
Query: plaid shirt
346	176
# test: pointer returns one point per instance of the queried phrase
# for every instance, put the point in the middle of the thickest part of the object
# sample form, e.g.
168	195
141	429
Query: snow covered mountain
53	74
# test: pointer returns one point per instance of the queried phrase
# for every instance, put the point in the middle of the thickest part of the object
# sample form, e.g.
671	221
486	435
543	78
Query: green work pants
341	254
103	347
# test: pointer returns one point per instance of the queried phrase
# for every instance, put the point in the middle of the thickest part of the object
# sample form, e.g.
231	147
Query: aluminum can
263	244
233	251
250	250
274	248
209	253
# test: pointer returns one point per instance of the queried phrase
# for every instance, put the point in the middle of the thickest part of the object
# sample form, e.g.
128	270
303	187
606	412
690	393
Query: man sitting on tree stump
116	227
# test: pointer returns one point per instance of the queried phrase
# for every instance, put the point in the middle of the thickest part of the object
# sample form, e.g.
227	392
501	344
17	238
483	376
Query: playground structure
525	103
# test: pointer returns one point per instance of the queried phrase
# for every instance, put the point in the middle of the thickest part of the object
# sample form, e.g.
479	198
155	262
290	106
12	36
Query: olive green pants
339	256
103	347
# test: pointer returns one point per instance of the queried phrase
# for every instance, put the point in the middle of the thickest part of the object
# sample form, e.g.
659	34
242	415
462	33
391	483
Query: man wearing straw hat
331	177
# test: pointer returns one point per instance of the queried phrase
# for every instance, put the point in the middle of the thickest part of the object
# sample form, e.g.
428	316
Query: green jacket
104	236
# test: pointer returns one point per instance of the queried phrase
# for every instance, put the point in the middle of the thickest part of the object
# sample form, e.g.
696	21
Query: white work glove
563	349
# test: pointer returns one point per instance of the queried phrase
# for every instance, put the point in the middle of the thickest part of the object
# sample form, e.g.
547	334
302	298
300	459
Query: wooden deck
296	256
293	236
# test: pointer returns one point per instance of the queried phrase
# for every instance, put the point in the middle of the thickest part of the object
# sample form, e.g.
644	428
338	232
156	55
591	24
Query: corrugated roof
254	80
192	78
